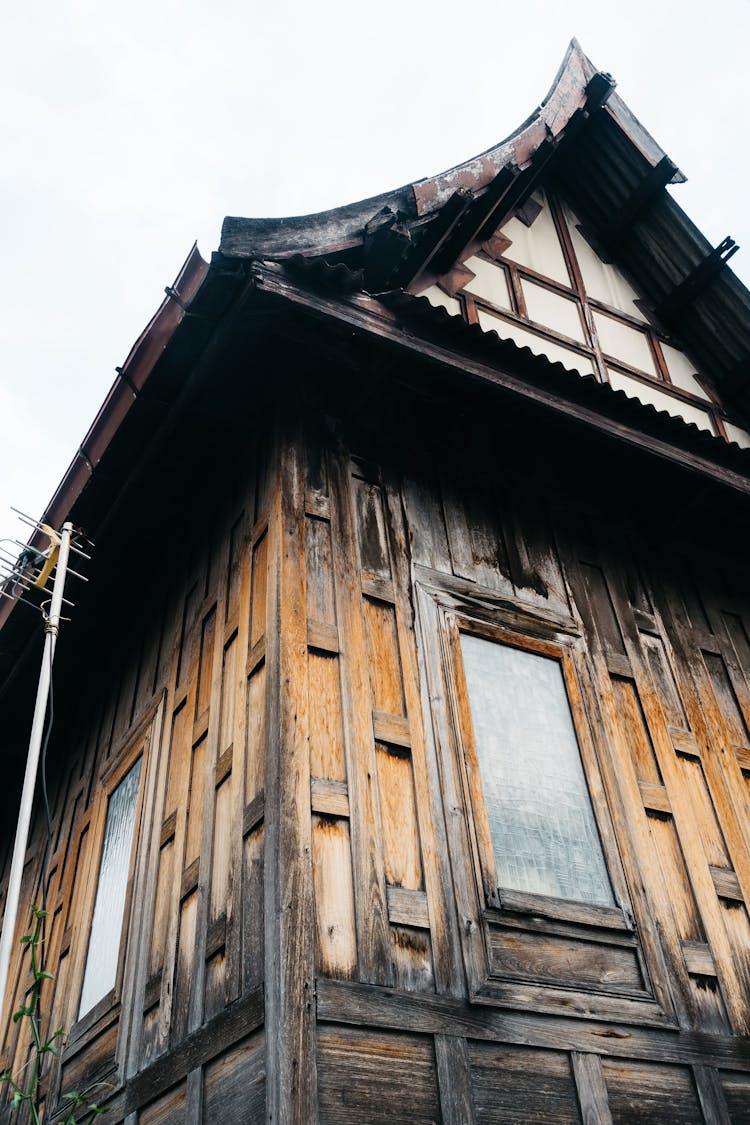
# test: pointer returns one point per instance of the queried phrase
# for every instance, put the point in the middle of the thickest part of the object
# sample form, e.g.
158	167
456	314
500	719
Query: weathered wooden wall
183	684
312	939
660	643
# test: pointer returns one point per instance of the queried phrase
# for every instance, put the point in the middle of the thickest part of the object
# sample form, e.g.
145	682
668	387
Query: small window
103	956
542	826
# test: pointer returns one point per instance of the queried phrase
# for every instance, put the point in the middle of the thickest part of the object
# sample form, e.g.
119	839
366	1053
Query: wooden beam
289	909
374	319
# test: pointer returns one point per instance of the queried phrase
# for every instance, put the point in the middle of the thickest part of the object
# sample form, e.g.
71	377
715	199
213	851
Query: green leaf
17	1099
27	939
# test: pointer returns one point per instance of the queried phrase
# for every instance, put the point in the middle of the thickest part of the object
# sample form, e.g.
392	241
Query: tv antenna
35	573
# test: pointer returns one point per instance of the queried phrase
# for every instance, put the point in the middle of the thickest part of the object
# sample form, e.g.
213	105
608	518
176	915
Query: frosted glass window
490	282
542	825
109	908
624	343
661	399
537	246
681	371
553	311
526	338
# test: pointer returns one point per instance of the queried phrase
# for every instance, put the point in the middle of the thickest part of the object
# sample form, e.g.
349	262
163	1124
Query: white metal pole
51	629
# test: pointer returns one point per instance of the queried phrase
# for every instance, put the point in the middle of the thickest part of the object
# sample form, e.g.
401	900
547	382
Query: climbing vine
26	1087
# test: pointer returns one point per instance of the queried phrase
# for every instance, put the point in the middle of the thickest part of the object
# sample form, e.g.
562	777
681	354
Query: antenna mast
31	571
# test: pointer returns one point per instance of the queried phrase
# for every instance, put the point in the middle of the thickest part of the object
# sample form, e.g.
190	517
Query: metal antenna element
32	570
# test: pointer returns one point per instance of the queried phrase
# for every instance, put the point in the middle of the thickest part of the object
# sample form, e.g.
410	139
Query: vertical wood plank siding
309	854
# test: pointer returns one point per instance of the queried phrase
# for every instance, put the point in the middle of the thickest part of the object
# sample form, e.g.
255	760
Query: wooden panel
675	878
630	715
477	545
179	759
184	967
234	567
163	906
726	698
252	911
651	1094
169	1109
403	867
196	802
320	596
664	683
412	959
522	1085
259	588
90	1063
384	662
373	545
255	733
381	1079
373	936
564	960
228	693
425	516
221	859
327	754
336	946
736	1089
738	929
205	663
708	826
600	600
234	1085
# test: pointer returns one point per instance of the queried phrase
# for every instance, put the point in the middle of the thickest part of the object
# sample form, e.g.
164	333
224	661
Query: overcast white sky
130	130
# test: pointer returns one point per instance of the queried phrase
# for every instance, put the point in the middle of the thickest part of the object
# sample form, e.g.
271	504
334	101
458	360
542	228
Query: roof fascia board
368	315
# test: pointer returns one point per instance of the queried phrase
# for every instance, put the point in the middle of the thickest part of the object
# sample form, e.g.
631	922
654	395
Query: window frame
491	921
496	896
141	742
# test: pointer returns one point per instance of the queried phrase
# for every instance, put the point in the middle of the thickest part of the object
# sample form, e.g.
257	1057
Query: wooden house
400	767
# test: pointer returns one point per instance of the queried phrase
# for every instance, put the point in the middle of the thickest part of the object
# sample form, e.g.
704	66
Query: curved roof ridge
342	227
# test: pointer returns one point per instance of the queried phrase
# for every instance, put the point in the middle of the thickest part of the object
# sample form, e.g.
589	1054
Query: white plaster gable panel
537	246
526	338
602	280
553	310
736	433
440	299
681	371
662	400
490	282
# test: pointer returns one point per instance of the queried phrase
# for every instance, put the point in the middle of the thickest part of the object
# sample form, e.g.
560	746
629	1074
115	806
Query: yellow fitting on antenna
52	556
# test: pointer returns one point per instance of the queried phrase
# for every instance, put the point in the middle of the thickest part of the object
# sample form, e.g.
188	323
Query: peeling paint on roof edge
343	227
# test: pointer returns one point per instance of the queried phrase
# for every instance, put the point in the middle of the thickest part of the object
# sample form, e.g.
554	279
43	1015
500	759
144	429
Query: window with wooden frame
110	879
538	865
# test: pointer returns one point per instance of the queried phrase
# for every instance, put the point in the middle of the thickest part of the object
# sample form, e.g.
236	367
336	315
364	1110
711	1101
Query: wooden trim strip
424	1013
230	1026
369	316
393	729
727	884
698	958
253	814
408	907
329	798
322	636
